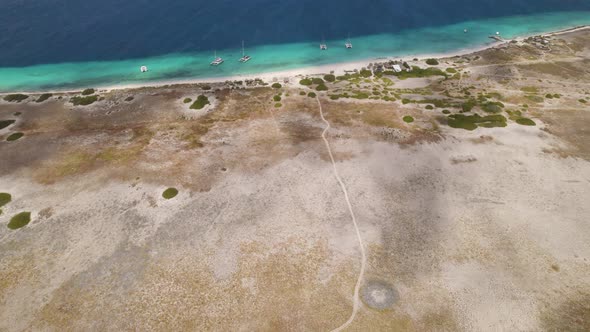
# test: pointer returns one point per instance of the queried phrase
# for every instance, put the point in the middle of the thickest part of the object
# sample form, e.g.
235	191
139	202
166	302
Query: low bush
15	98
408	119
330	78
201	102
322	87
88	92
432	62
83	101
317	80
305	81
311	95
276	85
43	97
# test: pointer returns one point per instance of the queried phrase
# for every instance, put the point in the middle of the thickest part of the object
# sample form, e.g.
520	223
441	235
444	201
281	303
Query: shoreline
339	68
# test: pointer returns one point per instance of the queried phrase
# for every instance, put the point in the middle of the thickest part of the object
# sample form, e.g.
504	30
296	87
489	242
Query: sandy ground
481	230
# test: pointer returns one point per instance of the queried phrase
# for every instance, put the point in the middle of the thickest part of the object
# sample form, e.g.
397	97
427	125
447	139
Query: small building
397	68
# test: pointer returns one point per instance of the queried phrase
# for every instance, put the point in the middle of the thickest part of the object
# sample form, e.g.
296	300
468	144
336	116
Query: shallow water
104	49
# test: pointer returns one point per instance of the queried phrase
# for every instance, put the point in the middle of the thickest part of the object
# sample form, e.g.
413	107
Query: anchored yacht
217	60
244	58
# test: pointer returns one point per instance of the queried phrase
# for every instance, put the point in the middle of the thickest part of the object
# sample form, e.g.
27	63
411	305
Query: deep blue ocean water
86	39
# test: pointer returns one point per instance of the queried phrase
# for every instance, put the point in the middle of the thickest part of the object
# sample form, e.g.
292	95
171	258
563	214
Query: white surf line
356	299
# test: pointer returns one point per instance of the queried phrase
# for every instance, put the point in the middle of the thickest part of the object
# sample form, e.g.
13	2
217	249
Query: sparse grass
6	123
276	85
15	98
5	198
83	101
201	102
408	119
529	89
43	97
19	220
170	193
187	100
471	122
14	136
88	92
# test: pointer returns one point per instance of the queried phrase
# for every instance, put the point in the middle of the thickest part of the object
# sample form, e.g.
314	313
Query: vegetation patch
83	101
329	78
206	87
492	107
366	73
305	81
43	97
278	105
277	85
419	72
130	98
187	100
14	136
446	112
451	70
322	87
525	122
471	122
583	101
276	98
201	102
311	95
170	193
19	220
429	107
6	123
15	98
431	62
5	198
408	119
88	92
529	89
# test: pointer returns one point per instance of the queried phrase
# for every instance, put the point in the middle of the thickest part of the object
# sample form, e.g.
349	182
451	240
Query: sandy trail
356	300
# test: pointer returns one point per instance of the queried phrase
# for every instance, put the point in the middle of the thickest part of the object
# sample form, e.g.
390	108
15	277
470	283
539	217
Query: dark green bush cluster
88	92
471	122
43	97
200	102
330	78
322	87
432	62
305	81
277	85
276	98
83	101
366	73
16	98
311	95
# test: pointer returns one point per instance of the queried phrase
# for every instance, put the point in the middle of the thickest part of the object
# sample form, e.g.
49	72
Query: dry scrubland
478	229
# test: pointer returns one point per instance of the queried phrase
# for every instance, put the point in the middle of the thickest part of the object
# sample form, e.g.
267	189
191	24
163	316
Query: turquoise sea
187	64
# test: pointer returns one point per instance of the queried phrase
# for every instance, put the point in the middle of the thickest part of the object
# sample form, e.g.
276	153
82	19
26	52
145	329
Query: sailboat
348	44
244	58
323	45
217	60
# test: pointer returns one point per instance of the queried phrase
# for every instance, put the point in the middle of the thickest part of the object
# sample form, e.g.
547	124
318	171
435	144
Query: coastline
338	68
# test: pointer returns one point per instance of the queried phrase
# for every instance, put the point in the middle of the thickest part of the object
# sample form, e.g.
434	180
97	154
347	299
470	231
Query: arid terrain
468	223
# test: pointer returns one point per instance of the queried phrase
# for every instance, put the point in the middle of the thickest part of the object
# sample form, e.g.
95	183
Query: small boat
244	58
464	30
217	60
348	44
143	69
323	45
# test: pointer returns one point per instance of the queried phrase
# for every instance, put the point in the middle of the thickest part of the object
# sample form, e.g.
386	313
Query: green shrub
14	136
429	107
170	193
366	73
317	80
322	87
583	101
549	96
187	100
408	119
19	220
311	95
334	97
200	102
5	198
446	112
406	101
205	87
305	81
130	98
6	123
432	62
330	78
471	122
492	107
525	122
16	98
276	98
451	70
83	101
278	105
43	97
302	93
277	85
87	92
468	105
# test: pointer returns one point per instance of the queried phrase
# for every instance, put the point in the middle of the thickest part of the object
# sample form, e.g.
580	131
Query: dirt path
356	299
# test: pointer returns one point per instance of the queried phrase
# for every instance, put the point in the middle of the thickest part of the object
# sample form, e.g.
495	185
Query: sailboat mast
242	48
